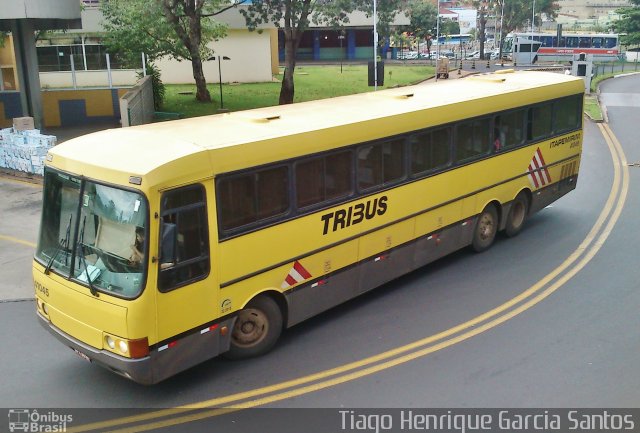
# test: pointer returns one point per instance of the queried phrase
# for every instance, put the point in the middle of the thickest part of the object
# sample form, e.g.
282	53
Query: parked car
407	55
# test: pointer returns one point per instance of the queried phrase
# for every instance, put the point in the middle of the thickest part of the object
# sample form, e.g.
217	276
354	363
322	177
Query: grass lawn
592	108
311	82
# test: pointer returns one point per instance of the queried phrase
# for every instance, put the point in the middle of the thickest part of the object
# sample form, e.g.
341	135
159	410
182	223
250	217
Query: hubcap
251	327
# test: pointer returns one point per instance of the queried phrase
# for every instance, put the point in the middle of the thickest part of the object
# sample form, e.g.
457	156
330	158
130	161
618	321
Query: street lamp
220	75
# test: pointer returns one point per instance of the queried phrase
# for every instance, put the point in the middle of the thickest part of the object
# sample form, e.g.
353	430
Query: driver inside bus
137	249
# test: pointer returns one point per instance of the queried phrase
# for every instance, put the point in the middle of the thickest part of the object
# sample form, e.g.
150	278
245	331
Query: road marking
17	241
400	355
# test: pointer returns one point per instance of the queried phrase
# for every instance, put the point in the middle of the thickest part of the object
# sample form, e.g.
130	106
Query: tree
293	17
422	19
629	24
386	12
449	27
180	29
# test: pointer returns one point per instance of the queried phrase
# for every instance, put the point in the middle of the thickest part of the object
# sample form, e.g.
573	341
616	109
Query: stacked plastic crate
24	150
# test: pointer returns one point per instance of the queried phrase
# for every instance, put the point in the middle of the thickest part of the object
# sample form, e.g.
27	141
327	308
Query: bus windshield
94	234
507	46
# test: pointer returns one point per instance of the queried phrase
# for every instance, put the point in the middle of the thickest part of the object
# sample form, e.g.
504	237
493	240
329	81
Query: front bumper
139	370
163	361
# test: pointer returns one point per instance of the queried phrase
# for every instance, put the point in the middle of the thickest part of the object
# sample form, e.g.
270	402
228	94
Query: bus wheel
517	215
486	229
256	330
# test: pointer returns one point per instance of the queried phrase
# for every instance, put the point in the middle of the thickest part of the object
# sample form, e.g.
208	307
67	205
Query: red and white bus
530	47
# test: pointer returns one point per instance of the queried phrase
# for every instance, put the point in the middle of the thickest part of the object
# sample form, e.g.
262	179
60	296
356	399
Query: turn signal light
139	348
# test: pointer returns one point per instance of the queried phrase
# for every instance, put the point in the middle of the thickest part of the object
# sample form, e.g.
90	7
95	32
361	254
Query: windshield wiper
83	260
63	244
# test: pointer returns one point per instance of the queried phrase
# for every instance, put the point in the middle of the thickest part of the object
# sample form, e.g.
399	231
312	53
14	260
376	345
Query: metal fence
614	68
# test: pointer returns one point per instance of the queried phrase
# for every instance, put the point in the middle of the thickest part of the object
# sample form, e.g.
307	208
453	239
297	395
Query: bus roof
201	146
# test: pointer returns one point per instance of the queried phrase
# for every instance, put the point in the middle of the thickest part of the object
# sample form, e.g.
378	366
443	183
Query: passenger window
184	237
430	150
380	164
323	179
540	122
252	197
473	139
508	130
568	113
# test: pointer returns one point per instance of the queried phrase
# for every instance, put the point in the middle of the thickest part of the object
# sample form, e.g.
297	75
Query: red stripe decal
301	270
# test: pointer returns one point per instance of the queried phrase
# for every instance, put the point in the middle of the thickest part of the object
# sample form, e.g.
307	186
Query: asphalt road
546	319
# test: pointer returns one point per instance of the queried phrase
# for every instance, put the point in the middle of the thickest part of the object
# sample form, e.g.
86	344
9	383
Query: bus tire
256	330
517	215
485	229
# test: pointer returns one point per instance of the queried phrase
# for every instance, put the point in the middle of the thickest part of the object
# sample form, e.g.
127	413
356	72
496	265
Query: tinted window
184	237
567	113
323	178
473	139
540	122
509	130
379	164
252	197
430	150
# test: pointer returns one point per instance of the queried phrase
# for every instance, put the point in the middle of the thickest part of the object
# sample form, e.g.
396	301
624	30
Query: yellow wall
8	71
98	102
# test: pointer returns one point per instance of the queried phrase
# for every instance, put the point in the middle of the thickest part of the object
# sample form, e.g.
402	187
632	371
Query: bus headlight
138	348
111	343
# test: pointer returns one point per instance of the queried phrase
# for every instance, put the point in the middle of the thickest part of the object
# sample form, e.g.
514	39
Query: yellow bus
164	245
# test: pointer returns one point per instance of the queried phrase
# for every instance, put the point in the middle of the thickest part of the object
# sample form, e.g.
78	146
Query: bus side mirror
168	243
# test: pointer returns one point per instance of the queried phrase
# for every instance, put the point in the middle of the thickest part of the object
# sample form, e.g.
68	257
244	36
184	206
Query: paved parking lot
20	210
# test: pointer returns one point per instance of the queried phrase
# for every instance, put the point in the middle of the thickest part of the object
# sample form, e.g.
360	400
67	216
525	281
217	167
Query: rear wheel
256	330
486	229
517	215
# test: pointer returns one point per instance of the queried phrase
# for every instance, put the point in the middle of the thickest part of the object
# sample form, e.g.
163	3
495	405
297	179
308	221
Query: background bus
248	223
526	48
455	39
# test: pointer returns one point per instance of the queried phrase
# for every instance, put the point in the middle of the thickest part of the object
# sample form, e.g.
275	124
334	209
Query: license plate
82	355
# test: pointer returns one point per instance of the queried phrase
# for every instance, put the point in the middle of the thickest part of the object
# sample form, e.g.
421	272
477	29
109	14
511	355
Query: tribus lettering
354	214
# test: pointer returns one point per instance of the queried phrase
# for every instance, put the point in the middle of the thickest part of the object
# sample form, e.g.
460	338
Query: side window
473	139
323	178
508	130
184	239
252	197
380	163
430	150
540	122
567	113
